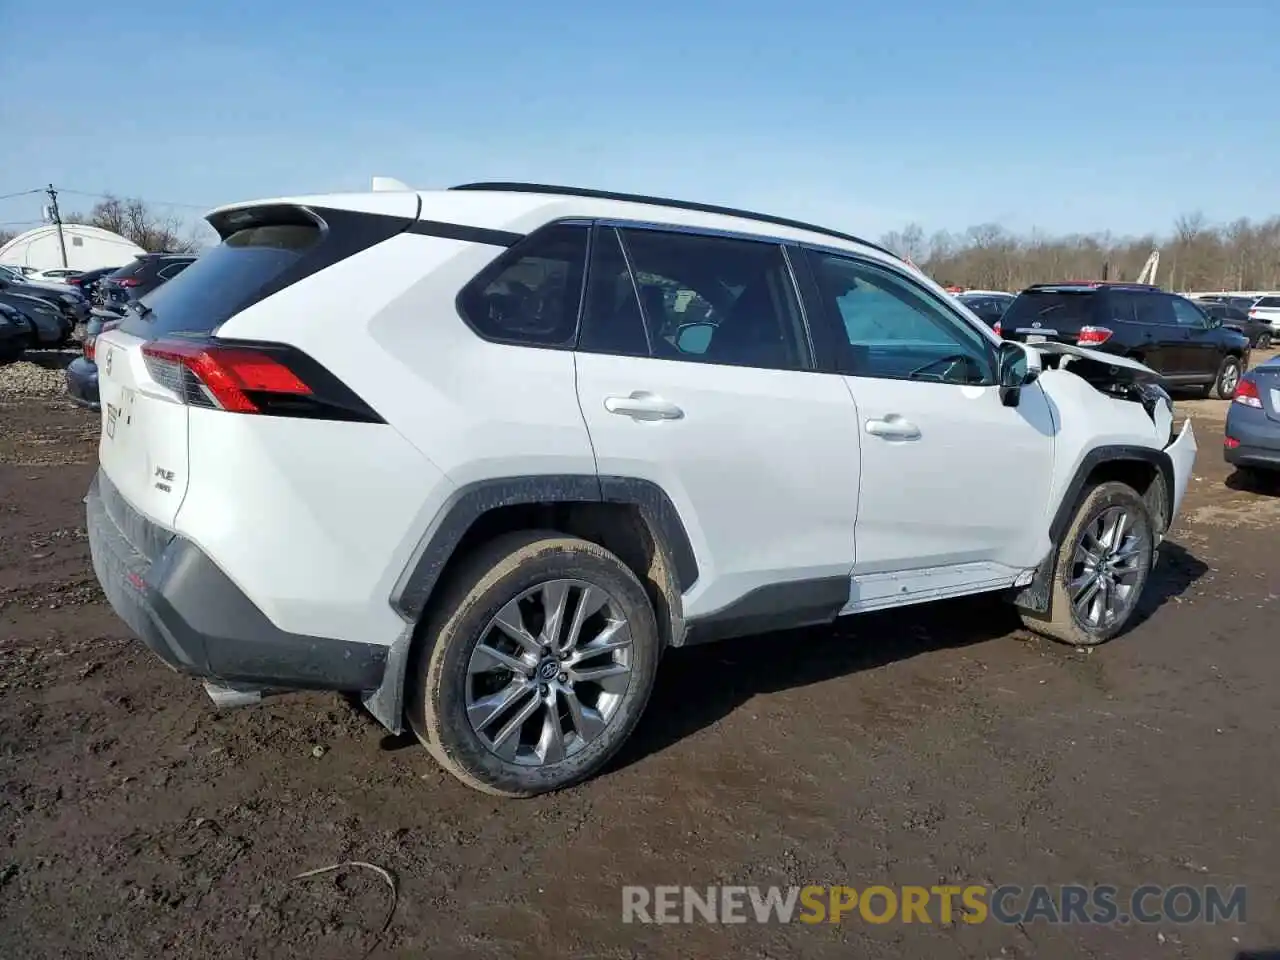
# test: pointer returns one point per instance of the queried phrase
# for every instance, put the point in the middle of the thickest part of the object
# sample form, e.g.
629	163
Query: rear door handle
642	405
893	427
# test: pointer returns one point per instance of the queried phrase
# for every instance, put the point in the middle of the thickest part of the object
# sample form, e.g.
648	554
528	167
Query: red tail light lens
1092	336
224	377
1247	393
256	378
90	348
125	281
996	329
1230	443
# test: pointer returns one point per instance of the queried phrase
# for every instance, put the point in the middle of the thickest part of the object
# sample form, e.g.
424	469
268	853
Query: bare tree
6	236
135	221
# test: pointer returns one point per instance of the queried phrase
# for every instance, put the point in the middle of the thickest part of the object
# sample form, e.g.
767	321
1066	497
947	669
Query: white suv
1267	309
481	455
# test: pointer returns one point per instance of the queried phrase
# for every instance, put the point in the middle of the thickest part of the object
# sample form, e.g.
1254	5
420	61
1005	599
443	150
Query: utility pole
57	219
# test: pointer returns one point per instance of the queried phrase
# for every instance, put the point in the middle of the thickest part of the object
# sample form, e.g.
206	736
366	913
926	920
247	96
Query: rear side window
1268	302
1048	308
531	294
129	269
220	282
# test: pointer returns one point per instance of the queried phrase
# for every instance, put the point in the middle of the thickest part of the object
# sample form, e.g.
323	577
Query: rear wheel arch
634	519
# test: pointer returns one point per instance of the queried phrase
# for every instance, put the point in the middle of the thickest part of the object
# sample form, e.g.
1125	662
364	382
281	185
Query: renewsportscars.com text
1005	904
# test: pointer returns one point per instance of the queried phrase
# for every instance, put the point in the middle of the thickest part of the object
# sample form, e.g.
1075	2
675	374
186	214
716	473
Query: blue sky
1077	116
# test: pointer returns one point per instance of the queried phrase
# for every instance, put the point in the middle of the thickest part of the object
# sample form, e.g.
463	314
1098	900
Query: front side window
895	329
531	294
716	300
1186	313
1154	309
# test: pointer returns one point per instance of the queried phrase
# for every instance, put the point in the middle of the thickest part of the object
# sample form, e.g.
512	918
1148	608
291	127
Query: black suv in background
1168	333
139	278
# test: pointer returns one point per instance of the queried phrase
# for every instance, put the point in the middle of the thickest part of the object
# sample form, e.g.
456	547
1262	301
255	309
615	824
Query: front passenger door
953	481
1199	346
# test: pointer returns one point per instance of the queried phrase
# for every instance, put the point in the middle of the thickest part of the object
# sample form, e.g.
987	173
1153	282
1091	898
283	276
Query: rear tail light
997	330
90	348
1253	314
253	378
1247	393
74	281
1092	336
1230	443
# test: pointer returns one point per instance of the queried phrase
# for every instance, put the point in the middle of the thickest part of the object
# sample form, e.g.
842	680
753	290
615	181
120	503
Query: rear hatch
148	365
1049	314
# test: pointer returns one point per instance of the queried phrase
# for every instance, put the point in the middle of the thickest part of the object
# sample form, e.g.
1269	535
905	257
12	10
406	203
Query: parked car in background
989	305
1230	299
15	333
82	372
1258	331
1168	333
1252	434
55	275
70	301
1267	309
144	274
87	282
18	270
50	327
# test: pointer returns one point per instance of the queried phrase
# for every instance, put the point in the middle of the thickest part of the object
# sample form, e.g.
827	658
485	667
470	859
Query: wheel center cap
548	670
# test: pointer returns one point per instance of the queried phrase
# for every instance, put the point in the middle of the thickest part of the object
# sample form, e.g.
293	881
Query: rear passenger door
695	373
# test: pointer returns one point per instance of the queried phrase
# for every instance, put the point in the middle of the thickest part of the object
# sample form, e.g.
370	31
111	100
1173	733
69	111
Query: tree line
1196	256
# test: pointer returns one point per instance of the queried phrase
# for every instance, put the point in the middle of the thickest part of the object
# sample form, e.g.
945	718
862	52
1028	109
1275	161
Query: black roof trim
562	191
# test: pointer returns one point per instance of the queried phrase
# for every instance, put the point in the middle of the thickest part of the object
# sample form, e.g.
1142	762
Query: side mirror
1018	365
694	337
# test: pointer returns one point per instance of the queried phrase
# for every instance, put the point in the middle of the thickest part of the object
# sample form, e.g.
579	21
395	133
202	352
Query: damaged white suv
481	455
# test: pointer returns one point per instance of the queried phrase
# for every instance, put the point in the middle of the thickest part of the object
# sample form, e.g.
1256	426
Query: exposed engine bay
1113	376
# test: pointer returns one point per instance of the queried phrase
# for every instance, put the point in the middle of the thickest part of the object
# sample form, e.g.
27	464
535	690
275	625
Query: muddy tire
1228	378
1103	563
535	664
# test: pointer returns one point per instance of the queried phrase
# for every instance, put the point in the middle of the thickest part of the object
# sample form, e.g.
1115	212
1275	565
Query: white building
87	248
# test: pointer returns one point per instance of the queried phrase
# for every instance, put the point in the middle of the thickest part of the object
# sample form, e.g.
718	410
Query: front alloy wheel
1106	568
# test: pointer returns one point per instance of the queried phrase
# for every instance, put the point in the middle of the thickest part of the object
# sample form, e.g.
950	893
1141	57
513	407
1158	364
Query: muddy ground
938	745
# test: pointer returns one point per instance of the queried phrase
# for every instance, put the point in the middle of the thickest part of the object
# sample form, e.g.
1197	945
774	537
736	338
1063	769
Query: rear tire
1078	615
1264	342
1228	378
466	706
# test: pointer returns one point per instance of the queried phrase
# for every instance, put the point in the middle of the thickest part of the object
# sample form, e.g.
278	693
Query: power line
21	193
156	203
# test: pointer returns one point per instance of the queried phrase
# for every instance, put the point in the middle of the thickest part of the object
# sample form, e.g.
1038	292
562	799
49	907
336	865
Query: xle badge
165	481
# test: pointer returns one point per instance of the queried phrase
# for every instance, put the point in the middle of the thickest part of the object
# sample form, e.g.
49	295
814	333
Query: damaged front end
1117	377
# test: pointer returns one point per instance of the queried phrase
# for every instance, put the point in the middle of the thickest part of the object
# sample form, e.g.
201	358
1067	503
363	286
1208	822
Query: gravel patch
42	376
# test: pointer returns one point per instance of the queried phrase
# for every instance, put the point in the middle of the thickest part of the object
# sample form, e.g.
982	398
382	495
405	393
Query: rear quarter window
220	282
1270	303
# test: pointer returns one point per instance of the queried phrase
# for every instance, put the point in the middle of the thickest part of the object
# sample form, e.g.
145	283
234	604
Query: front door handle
642	405
893	427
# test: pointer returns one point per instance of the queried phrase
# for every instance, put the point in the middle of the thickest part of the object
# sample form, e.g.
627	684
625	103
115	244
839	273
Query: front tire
1102	566
535	666
1228	378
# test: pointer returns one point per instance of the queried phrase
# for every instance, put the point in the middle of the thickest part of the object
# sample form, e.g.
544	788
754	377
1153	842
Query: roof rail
561	191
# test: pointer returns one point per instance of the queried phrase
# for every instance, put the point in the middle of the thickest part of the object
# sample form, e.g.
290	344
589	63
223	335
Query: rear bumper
82	383
1258	436
192	616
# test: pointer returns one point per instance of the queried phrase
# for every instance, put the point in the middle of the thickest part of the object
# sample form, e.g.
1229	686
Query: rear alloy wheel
545	649
1102	567
1224	387
1264	342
